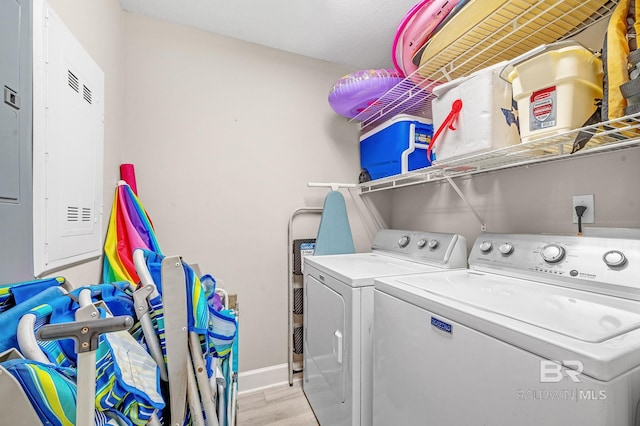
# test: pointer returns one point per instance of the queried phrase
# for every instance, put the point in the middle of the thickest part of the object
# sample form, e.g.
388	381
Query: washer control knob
404	241
433	244
614	258
506	249
485	246
422	243
552	253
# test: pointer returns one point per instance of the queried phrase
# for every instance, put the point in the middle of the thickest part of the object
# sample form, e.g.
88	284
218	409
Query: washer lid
579	315
515	310
360	269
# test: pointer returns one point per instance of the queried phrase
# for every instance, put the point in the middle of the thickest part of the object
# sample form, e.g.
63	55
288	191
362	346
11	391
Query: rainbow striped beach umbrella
129	228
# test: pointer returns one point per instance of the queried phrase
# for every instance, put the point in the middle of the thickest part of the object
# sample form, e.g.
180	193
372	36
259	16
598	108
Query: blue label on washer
441	325
307	246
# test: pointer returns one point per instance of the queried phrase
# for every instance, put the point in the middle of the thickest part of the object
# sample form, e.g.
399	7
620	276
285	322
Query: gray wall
534	199
225	136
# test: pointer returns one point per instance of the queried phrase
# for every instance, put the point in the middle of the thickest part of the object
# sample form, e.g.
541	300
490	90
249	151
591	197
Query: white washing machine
338	316
540	330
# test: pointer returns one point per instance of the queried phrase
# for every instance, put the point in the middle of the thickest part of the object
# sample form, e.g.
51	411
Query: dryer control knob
422	243
552	253
433	244
404	241
506	248
614	258
485	246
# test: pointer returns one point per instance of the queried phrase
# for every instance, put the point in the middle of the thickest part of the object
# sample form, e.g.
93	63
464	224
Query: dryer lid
360	269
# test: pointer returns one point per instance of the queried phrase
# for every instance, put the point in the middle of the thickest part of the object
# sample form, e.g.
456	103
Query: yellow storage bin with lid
556	87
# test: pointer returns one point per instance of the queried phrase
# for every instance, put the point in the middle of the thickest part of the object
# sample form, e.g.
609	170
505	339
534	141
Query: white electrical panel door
67	146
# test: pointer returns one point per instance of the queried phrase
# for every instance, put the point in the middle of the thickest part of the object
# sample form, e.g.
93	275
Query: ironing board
334	233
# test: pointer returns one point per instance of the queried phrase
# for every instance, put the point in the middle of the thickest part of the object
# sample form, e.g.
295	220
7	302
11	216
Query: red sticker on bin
542	94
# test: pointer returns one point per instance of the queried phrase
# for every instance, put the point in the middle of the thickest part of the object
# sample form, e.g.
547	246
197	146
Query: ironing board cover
334	233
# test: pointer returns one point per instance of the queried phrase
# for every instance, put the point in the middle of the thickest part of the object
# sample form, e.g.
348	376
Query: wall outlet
589	215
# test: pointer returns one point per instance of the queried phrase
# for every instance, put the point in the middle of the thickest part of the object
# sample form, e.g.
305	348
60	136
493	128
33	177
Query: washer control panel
607	265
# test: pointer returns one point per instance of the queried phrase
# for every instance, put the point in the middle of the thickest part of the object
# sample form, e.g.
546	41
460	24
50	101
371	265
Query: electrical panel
68	138
15	141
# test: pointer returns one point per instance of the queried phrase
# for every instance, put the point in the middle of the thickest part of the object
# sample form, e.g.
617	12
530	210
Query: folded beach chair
179	325
18	298
190	305
46	394
61	389
115	364
223	332
16	293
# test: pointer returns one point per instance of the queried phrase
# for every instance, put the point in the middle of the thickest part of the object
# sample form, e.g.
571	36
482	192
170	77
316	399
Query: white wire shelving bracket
483	223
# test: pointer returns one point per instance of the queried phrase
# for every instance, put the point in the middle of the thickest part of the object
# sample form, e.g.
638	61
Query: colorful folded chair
51	391
126	380
211	330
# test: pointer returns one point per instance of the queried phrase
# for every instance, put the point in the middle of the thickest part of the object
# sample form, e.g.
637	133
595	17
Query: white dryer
540	330
338	316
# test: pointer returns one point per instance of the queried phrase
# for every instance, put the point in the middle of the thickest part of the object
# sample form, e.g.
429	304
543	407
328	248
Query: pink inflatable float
415	29
354	92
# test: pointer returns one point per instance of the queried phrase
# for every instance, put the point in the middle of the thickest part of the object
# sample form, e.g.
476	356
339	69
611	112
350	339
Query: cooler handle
456	107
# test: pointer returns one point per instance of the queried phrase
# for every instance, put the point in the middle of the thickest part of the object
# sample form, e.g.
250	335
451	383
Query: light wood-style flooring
282	405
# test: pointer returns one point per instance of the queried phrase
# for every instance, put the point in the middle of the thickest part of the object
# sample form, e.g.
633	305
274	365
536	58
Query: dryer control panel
603	265
446	250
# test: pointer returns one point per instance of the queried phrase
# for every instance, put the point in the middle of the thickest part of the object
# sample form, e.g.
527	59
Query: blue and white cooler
396	146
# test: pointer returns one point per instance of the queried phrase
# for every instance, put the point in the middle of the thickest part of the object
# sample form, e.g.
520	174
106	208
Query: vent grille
77	214
86	214
73	81
73	214
86	93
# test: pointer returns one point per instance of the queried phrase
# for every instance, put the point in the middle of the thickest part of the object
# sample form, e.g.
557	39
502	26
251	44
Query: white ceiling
355	33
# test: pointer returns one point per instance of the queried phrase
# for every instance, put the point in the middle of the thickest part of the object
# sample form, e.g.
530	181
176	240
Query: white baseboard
262	378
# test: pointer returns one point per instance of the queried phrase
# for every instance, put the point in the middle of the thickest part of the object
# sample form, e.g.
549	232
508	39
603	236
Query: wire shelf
514	28
606	136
